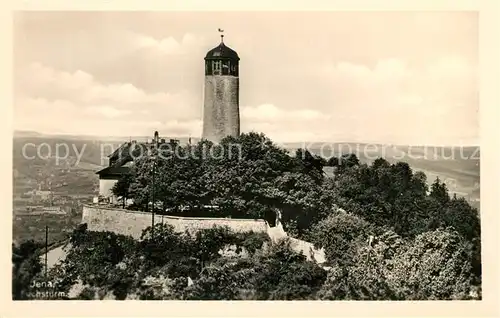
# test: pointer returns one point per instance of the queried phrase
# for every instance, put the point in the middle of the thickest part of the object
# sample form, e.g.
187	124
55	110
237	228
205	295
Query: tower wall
221	114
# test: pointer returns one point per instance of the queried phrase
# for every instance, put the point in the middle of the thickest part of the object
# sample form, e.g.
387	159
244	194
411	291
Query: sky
389	77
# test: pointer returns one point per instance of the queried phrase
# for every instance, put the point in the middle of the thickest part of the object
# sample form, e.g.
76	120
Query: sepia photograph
238	155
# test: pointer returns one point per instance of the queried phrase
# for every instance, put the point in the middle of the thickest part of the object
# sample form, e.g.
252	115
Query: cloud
167	45
78	96
438	102
271	112
392	100
420	104
177	128
107	111
40	80
44	115
393	77
60	116
282	124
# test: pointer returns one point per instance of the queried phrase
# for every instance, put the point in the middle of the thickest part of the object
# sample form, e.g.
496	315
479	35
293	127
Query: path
55	255
277	233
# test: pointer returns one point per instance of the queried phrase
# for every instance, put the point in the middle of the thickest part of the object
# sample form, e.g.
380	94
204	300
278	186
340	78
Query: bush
88	293
252	241
214	283
282	273
437	265
340	235
26	266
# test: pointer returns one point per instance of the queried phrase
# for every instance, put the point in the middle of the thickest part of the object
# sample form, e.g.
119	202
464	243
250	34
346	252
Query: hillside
74	180
373	231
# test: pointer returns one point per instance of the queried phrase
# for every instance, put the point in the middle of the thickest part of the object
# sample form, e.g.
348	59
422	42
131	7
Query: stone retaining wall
132	223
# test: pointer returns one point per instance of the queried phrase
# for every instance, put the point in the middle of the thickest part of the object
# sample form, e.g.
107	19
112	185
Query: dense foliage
25	266
244	177
386	233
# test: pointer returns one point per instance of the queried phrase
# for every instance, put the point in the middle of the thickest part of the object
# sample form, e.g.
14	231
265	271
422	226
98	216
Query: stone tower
221	113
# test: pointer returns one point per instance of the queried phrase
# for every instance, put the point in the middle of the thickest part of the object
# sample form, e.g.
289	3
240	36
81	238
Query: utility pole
153	203
46	249
155	149
50	193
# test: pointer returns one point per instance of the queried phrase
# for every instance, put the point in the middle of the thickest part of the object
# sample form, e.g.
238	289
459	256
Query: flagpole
221	35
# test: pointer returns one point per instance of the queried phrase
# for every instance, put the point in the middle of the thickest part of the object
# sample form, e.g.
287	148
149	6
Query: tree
283	274
252	241
208	242
243	177
140	188
214	283
340	235
420	184
437	265
122	187
460	215
163	247
310	164
333	162
25	266
346	161
394	196
439	191
96	255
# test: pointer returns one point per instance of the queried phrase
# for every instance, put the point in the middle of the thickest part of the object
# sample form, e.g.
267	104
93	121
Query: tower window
216	67
221	67
225	68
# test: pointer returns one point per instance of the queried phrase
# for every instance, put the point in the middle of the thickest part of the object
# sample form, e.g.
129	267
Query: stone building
122	160
221	114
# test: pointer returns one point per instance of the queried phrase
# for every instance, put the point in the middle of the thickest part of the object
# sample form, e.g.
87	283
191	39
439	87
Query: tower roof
222	51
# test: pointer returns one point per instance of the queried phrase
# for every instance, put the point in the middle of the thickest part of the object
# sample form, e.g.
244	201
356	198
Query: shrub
88	293
340	235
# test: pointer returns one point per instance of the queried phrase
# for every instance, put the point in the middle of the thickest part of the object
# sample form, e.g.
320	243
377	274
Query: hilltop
385	233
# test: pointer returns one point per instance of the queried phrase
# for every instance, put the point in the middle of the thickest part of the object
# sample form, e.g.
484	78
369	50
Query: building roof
222	52
117	151
113	171
121	160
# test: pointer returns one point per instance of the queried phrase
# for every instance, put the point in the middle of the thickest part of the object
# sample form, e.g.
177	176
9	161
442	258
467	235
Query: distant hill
118	139
458	166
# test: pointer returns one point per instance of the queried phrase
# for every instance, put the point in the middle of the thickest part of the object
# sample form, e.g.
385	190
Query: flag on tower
220	30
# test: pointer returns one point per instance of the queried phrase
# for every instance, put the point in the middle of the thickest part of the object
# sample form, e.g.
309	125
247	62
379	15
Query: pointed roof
222	51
